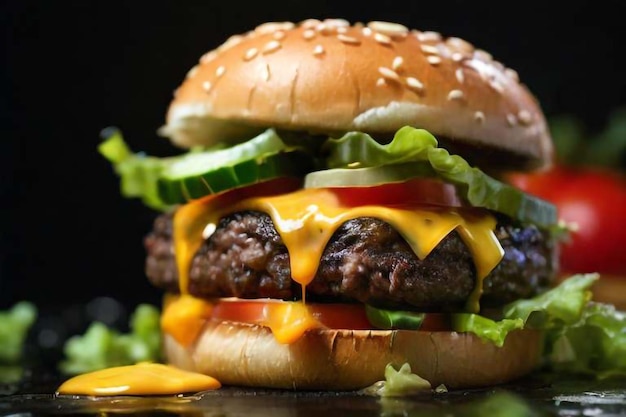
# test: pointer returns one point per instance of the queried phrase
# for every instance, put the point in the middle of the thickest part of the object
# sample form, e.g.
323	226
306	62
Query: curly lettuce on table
102	347
14	326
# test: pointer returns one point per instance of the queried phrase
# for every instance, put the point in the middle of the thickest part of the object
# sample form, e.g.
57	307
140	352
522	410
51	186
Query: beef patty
366	260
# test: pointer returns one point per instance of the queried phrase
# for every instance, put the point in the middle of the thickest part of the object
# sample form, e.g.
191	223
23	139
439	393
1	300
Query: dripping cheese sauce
305	220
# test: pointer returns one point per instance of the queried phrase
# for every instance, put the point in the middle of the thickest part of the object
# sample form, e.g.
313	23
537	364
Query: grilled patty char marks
365	261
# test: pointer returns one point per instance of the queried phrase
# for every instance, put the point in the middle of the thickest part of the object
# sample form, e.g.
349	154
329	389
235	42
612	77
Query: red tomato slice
595	202
332	316
420	191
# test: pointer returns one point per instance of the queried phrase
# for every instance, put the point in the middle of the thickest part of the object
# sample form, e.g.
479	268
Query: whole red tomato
592	200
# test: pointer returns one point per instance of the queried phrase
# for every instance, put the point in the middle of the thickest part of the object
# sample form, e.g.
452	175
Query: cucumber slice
194	164
199	182
367	177
477	188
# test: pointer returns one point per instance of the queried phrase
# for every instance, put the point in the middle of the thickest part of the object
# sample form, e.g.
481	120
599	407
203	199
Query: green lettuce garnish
399	383
102	347
390	319
359	150
561	306
580	335
595	344
14	326
138	172
486	329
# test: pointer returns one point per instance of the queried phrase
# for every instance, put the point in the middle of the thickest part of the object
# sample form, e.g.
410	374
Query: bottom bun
248	355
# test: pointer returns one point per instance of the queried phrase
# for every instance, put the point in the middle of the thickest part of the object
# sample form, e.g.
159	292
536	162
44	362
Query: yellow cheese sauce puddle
139	379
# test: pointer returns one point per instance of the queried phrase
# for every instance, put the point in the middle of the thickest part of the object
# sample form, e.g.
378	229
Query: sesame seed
429	36
483	55
389	73
271	46
337	23
342	29
206	86
380	82
366	31
414	84
193	71
266	72
459	44
318	50
348	39
397	62
220	71
232	41
456	95
308	34
525	117
511	119
323	29
429	49
496	86
457	57
250	53
271	27
498	65
479	117
208	57
279	35
512	74
382	38
460	75
309	23
388	28
433	60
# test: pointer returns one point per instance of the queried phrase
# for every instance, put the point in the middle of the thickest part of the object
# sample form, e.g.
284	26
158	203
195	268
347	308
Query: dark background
72	68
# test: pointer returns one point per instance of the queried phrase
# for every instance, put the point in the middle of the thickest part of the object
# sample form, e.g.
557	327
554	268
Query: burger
336	209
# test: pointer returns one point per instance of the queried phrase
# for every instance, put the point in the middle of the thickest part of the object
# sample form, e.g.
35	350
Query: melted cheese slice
306	220
139	379
288	321
183	317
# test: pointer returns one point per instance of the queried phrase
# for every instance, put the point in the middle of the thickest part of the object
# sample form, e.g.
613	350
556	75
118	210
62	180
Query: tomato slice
419	191
332	316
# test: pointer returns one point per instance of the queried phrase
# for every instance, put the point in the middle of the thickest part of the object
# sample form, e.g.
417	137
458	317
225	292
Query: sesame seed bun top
332	77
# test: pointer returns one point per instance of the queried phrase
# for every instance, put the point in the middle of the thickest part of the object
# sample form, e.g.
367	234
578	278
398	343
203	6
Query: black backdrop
74	67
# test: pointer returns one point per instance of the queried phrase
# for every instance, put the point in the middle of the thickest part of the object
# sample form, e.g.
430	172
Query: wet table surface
538	395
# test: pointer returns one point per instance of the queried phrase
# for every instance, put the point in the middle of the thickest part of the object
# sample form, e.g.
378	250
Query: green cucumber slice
197	163
199	183
367	177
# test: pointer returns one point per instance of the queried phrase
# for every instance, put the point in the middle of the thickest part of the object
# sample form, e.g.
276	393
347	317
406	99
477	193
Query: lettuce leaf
14	326
594	344
102	347
138	172
359	150
390	319
487	329
581	336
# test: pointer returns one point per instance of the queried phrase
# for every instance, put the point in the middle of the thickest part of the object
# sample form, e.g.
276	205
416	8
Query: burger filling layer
366	261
